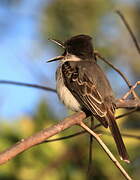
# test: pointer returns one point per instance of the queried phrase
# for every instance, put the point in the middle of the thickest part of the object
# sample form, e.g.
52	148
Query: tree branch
97	54
41	136
27	85
129	30
120	103
98	125
68	122
107	151
128	103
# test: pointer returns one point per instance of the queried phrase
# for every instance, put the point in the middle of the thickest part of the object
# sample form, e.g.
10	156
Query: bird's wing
84	90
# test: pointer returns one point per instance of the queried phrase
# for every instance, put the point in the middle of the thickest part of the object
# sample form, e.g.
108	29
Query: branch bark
107	151
128	103
41	136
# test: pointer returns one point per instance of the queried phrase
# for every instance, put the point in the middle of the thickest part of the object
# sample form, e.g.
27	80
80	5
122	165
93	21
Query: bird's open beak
59	43
55	59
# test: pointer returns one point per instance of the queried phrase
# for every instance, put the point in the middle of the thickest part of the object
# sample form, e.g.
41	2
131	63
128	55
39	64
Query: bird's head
80	46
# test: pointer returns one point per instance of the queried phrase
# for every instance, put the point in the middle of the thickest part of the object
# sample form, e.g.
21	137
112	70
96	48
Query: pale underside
65	95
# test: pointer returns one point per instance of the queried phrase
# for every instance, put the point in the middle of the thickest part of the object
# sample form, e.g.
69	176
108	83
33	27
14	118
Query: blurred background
25	27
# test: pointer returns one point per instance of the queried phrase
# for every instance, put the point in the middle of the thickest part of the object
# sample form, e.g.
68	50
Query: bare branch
116	69
120	103
107	151
126	114
49	132
130	103
28	85
95	127
41	136
131	91
123	134
64	137
75	119
129	30
83	132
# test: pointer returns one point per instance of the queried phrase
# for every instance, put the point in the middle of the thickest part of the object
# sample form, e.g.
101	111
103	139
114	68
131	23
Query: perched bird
83	86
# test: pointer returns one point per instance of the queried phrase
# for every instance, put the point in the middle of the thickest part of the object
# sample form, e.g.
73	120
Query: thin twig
126	114
128	103
131	90
130	136
27	85
116	69
129	30
107	151
95	127
64	137
123	134
83	132
90	165
135	103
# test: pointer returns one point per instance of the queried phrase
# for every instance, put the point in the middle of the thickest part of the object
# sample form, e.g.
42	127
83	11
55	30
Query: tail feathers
117	137
103	121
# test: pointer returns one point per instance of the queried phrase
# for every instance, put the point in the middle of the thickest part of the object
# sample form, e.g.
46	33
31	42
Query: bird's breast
64	94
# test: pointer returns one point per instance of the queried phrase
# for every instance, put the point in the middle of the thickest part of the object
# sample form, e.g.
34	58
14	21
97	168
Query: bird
83	86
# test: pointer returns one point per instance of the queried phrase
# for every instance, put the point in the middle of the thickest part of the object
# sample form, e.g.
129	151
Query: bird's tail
117	137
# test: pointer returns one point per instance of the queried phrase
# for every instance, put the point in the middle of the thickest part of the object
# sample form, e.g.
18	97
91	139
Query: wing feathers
85	91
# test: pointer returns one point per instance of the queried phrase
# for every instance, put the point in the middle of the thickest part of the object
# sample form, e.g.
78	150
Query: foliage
67	18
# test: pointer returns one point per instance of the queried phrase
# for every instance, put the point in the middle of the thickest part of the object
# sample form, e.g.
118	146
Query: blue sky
17	60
